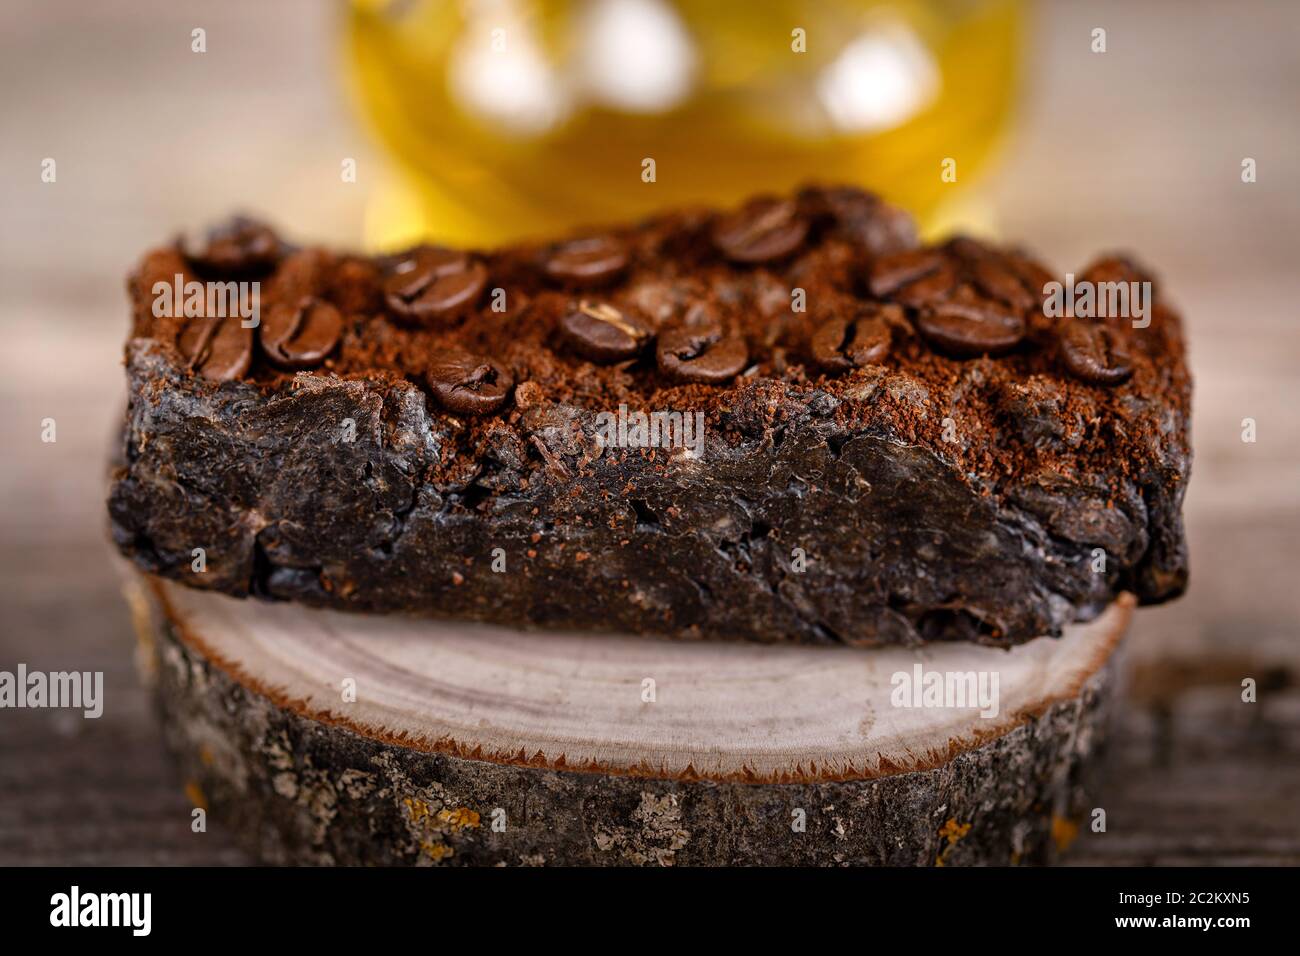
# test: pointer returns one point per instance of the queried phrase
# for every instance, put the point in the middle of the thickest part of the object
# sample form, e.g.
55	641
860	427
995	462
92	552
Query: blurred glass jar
519	118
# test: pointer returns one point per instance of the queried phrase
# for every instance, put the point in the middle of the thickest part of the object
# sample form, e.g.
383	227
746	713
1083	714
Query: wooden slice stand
478	745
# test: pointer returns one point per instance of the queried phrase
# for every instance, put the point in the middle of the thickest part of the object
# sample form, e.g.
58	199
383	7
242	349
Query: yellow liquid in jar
525	118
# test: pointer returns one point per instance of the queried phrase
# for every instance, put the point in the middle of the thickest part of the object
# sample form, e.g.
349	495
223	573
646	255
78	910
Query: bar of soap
784	423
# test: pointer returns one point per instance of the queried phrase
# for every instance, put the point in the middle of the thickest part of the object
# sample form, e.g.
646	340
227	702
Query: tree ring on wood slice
468	744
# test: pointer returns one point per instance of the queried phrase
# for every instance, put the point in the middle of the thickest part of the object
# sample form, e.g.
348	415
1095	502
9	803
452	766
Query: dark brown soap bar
787	422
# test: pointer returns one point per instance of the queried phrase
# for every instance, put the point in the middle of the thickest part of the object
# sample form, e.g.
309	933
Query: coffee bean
705	355
1031	275
219	349
929	289
587	262
842	344
602	333
469	384
240	247
967	249
761	231
998	281
890	273
299	335
967	325
1094	353
433	283
1113	269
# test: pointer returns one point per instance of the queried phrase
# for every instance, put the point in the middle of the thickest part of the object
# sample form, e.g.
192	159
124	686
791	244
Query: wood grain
722	712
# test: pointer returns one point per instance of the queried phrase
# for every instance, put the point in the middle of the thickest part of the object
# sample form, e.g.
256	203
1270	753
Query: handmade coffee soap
899	442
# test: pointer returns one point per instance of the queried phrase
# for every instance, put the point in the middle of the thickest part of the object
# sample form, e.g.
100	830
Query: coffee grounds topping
825	292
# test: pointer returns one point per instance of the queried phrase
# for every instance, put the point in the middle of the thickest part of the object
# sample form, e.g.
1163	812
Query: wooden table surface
1139	147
